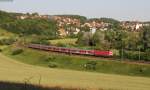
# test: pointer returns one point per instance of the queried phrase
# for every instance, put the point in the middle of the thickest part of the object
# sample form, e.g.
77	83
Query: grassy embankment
74	62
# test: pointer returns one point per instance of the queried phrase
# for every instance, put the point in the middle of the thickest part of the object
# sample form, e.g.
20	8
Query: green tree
146	38
84	38
99	41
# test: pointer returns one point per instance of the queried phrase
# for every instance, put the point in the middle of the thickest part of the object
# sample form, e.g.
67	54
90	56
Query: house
62	32
77	30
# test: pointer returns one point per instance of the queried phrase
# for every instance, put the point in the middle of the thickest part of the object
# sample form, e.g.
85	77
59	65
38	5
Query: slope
11	70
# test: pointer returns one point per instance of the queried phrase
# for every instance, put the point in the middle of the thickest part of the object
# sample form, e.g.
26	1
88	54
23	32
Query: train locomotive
71	50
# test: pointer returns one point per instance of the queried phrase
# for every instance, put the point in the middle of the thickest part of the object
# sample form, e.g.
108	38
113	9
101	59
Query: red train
71	50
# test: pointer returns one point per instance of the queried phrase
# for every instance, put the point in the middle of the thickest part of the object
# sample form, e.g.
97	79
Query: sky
137	10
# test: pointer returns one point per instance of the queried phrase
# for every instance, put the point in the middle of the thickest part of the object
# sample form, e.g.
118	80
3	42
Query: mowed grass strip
11	70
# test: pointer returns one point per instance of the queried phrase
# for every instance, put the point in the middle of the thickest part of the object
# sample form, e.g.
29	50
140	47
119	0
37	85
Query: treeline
31	26
6	17
124	41
43	27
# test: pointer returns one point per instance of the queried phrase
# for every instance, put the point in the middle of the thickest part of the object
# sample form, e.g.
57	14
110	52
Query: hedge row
133	55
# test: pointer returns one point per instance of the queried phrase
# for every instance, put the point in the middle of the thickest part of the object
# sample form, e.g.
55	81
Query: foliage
61	44
1	50
73	62
49	58
52	65
67	41
17	51
6	17
7	41
137	55
119	40
85	39
146	38
32	26
99	41
38	41
91	65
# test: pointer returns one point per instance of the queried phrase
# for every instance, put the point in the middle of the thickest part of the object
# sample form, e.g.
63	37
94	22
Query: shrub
7	41
61	44
17	51
52	65
147	55
1	50
49	59
135	55
44	42
91	65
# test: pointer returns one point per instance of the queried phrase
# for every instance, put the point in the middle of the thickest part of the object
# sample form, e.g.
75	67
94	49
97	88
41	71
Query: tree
99	40
133	41
146	38
32	26
121	41
84	38
35	14
110	36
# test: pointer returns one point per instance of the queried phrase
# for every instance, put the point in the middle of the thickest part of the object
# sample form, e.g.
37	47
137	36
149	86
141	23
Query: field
11	70
64	41
69	73
5	34
75	62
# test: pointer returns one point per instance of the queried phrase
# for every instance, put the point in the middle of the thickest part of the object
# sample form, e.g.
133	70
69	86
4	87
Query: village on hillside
67	24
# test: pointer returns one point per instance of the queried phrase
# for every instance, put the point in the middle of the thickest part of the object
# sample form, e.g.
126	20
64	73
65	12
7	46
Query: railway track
97	57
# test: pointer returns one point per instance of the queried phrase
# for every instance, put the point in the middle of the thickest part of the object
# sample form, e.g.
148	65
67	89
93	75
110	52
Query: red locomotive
71	50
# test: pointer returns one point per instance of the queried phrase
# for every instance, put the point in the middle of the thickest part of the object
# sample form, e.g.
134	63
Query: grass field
11	70
75	62
5	34
64	41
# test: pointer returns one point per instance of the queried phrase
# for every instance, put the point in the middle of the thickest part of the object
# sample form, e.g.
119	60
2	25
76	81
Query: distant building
138	26
62	32
76	31
93	30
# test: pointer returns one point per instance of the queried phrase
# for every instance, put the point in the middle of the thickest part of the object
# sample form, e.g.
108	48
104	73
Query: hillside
11	70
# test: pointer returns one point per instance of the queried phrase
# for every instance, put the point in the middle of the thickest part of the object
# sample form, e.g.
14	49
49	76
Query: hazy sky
118	9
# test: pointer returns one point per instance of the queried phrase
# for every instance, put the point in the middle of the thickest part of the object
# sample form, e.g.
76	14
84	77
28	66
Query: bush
49	59
135	55
1	50
147	55
52	65
7	41
61	44
44	42
91	65
17	51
